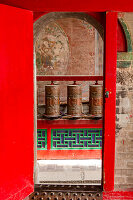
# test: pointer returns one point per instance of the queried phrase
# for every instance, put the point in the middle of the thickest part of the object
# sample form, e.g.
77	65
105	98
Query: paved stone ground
69	171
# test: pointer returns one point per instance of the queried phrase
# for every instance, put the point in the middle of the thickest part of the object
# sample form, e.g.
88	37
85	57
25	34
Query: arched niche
52	16
124	59
84	21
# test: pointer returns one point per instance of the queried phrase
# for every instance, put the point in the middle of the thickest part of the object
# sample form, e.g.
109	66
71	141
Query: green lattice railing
41	139
76	139
66	139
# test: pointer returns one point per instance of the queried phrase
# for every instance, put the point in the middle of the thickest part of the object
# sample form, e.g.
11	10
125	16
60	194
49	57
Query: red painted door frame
110	58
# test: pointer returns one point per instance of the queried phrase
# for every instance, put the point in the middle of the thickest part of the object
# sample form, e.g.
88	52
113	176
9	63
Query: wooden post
110	58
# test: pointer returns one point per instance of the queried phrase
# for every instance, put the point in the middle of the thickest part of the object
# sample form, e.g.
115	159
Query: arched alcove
52	16
125	58
68	44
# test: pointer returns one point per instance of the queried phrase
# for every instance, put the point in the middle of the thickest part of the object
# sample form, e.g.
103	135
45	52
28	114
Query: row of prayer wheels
74	100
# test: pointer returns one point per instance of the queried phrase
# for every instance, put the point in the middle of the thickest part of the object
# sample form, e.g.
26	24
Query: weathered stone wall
124	116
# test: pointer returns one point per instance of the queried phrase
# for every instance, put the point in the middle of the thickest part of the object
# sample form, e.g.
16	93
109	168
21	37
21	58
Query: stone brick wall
124	135
124	116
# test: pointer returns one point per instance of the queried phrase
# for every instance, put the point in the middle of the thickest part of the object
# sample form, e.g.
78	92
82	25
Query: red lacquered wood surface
62	123
110	103
72	5
67	154
16	103
69	78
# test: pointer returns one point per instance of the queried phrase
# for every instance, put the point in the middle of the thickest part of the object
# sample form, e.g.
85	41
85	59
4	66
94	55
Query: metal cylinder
96	100
74	100
52	100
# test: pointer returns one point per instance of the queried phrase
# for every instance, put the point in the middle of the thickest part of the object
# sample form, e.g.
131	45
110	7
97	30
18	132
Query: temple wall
124	115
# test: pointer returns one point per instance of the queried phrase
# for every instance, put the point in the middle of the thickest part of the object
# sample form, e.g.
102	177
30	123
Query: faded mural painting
67	47
52	51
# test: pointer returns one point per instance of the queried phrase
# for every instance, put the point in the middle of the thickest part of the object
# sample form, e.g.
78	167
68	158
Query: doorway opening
68	52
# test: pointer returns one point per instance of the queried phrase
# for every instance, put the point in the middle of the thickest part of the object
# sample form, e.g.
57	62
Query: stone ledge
124	56
123	64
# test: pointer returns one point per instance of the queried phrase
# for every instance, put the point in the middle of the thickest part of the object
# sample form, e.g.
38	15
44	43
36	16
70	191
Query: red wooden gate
16	103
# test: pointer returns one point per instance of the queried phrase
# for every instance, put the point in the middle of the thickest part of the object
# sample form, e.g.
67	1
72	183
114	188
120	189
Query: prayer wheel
96	100
52	100
74	100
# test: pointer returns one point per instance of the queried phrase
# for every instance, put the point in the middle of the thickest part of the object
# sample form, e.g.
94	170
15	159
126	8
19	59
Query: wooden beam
110	56
69	78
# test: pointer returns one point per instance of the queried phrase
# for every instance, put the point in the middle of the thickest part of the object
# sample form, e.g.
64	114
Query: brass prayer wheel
74	100
52	100
96	100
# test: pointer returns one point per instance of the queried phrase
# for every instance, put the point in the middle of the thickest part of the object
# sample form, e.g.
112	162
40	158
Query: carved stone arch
127	34
52	18
124	59
47	18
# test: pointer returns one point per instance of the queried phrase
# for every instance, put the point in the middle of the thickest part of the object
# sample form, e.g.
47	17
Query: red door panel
110	100
16	103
